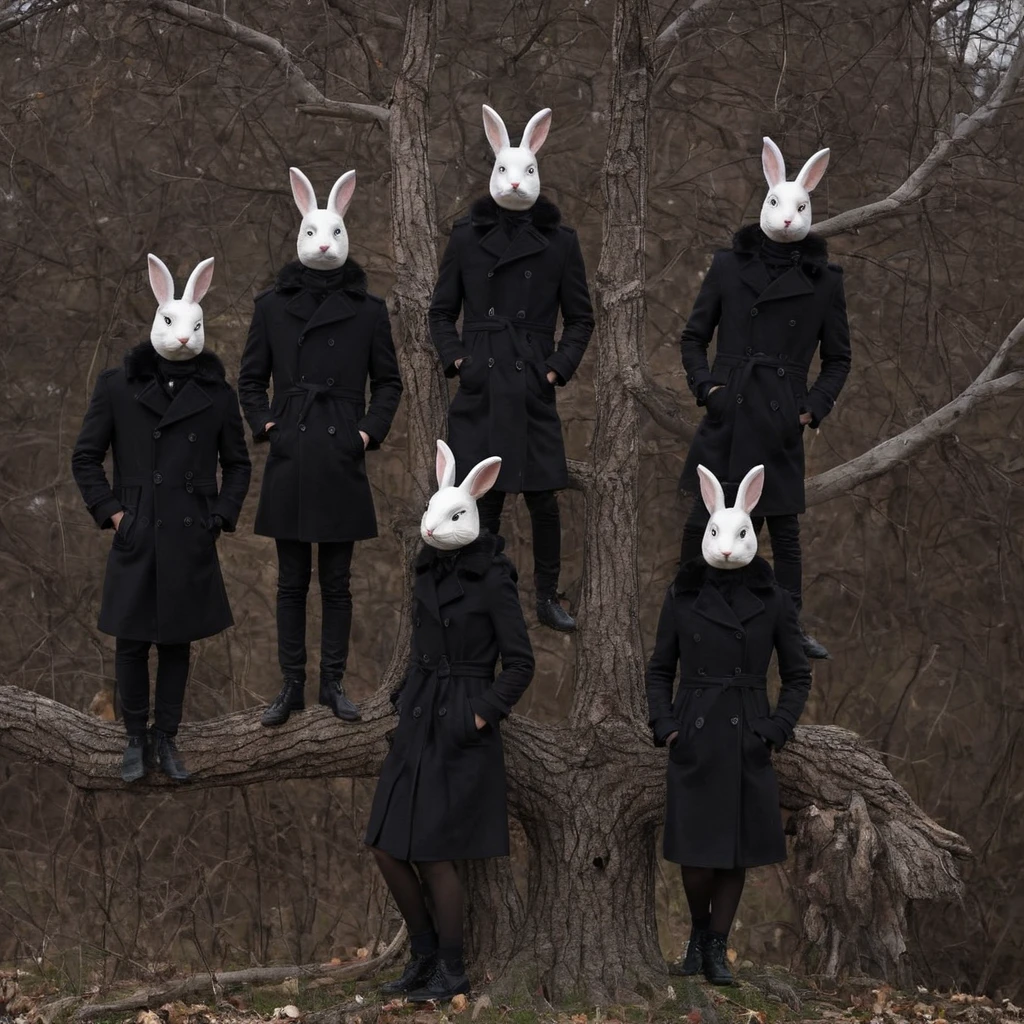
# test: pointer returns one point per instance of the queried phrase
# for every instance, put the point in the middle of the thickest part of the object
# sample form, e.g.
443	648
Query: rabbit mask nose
183	341
324	248
430	533
515	184
726	554
788	222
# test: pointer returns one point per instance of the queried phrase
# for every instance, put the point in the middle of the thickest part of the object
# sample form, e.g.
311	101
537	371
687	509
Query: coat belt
443	668
504	323
311	392
745	681
758	360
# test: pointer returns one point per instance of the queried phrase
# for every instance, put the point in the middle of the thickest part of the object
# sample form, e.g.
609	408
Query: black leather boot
416	974
550	613
813	648
716	964
133	763
291	698
332	695
168	758
443	983
693	962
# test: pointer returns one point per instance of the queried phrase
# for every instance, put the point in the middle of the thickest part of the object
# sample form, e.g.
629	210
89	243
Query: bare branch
662	403
965	127
307	93
889	453
368	13
697	8
17	14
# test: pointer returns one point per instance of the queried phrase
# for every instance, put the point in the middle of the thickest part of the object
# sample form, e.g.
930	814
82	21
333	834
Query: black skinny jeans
294	569
547	534
784	532
131	672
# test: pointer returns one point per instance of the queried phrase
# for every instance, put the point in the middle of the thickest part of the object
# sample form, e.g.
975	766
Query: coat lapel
189	401
336	306
746	604
754	274
449	588
153	397
426	591
528	242
786	286
495	241
713	606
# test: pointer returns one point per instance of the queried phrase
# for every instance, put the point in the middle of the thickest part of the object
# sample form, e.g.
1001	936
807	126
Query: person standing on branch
774	299
509	268
723	616
319	336
441	794
170	416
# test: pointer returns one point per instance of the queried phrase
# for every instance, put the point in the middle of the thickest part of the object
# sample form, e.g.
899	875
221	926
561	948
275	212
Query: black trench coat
319	355
768	333
441	794
509	294
722	802
163	581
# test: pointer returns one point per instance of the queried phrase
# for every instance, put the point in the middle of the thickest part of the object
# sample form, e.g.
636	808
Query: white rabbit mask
730	541
177	331
515	179
786	211
452	520
322	242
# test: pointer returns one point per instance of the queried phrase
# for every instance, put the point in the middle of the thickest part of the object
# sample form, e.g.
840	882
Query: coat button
739	635
442	712
781	372
696	638
189	474
447	622
490	362
490	273
330	382
702	671
698	693
699	723
188	520
528	275
519	364
189	488
303	377
302	426
774	405
753	312
156	435
490	312
425	658
157	478
792	323
521	314
737	671
749	351
735	720
739	399
331	431
416	621
159	522
416	712
192	437
330	343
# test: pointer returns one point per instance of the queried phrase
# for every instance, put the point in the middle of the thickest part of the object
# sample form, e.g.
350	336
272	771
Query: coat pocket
716	403
471	735
124	535
473	371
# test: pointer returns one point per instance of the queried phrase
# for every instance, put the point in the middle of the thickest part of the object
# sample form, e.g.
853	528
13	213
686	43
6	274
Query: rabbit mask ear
749	493
813	171
160	280
341	194
494	128
482	477
302	190
711	490
444	465
537	129
772	162
199	282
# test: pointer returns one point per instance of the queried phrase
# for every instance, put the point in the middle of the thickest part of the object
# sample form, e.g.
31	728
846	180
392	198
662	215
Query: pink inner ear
480	481
440	466
302	191
814	170
494	129
708	491
536	133
343	196
773	164
752	493
160	280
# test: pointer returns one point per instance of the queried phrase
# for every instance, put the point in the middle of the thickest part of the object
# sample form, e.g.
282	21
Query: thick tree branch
965	127
662	404
312	100
883	457
18	14
368	13
688	18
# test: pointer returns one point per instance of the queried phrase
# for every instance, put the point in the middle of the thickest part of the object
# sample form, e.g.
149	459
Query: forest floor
762	996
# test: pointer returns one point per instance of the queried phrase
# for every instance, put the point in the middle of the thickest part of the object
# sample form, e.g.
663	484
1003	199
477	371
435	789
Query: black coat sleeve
661	674
795	673
254	375
517	661
235	468
94	440
699	331
385	383
577	315
445	308
835	356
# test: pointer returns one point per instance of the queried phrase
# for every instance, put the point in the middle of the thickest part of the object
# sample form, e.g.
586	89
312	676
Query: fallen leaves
459	1003
289	1012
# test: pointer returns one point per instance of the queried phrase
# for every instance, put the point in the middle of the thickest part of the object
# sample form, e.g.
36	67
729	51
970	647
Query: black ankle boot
443	983
693	962
813	648
168	758
332	695
133	763
716	964
550	613
291	698
416	974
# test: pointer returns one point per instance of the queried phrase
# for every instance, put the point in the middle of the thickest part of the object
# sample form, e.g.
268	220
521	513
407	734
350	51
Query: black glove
216	525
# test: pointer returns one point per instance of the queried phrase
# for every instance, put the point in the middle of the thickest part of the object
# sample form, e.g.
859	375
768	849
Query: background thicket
124	131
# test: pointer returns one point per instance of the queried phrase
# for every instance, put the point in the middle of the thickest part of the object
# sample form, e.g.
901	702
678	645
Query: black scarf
172	374
320	282
778	257
513	221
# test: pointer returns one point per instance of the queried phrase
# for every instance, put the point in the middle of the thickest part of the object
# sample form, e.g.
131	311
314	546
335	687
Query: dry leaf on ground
459	1003
483	1003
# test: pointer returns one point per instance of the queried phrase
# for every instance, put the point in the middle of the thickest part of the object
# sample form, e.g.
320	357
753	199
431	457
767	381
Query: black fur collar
350	277
693	575
472	560
141	364
813	249
544	215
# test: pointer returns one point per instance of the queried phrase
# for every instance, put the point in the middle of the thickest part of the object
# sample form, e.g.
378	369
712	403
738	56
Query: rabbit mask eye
801	207
501	170
310	233
772	201
457	514
167	320
337	231
743	534
531	170
198	325
714	531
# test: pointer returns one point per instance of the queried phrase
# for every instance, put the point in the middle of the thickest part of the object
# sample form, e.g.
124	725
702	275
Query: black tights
713	895
547	534
442	931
